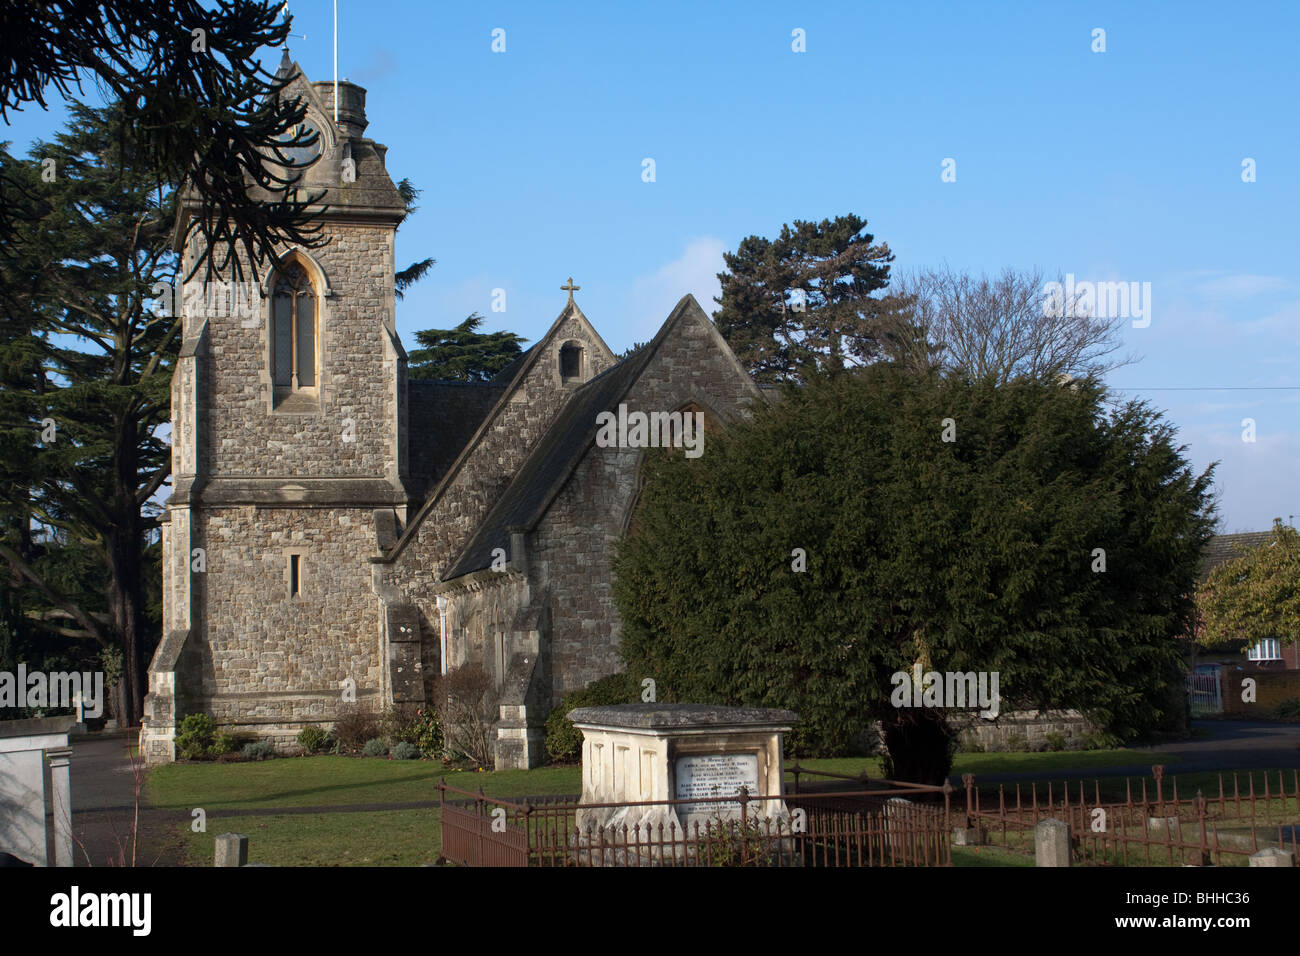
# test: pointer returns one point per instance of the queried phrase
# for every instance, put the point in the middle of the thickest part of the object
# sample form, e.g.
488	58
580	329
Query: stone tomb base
637	753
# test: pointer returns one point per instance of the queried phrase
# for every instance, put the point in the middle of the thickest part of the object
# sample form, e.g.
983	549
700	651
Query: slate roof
507	374
1226	547
442	418
550	464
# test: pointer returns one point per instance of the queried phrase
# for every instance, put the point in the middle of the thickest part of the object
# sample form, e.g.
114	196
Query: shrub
1289	708
353	727
563	740
415	724
1017	744
194	741
405	751
726	842
1100	740
467	707
222	743
312	739
259	749
1055	741
375	748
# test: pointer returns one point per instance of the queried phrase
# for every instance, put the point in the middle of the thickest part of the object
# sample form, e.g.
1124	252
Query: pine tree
463	354
803	302
188	79
87	368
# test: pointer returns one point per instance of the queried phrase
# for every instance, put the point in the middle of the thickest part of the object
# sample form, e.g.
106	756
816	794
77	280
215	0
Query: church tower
289	461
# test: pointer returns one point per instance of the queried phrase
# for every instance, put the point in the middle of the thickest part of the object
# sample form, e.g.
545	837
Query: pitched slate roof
1227	547
557	454
509	380
550	464
507	374
442	418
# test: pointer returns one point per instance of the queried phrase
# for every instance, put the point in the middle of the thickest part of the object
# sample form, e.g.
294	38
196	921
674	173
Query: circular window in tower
303	144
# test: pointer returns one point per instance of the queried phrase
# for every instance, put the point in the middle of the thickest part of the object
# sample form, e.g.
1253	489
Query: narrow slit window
295	579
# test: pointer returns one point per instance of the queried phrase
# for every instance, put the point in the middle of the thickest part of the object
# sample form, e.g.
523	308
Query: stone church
335	526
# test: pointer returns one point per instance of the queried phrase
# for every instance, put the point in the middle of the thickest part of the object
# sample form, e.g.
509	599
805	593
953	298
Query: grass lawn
1044	764
335	781
410	837
989	856
382	838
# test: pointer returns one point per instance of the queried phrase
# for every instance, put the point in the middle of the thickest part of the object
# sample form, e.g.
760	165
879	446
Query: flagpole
336	62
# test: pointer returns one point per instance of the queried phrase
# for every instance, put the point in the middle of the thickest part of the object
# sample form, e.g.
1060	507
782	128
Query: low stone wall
985	735
1032	726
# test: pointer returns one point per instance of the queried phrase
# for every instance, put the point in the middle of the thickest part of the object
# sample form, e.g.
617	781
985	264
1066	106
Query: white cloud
1255	479
653	296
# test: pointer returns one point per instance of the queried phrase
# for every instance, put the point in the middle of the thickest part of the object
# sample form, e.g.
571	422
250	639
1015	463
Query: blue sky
1123	165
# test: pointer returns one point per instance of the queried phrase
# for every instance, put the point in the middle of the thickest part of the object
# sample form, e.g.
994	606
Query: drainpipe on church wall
519	549
442	630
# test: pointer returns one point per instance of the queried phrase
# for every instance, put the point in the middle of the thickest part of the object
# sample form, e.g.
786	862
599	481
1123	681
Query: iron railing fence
1151	824
869	827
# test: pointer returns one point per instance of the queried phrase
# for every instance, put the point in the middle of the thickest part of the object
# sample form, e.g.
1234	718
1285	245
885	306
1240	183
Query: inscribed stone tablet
715	775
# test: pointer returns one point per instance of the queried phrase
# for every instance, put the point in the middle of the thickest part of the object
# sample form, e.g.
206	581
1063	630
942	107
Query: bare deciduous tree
1001	328
467	708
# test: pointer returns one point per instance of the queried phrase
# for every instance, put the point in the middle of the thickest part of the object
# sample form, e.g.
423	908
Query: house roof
1225	547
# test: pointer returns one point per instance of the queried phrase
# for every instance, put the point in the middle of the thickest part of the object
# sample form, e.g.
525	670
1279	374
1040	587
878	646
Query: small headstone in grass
232	850
1272	856
1052	843
970	836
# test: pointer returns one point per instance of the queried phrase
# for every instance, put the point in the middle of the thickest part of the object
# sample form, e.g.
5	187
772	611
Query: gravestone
1052	843
24	803
1272	856
231	850
693	753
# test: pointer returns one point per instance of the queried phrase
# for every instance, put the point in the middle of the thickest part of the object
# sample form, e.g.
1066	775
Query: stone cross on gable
570	288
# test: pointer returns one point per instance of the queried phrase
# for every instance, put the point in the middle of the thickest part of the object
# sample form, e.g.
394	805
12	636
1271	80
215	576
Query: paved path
104	784
1218	745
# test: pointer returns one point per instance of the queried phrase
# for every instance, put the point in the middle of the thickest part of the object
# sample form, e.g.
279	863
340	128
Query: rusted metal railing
1181	831
870	827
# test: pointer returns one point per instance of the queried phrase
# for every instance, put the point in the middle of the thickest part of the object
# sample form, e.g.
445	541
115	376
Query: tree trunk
125	597
918	744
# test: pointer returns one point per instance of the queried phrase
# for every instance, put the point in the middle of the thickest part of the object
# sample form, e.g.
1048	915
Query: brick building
334	525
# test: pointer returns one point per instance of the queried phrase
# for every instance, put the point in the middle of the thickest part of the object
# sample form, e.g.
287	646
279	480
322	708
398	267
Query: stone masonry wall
242	437
446	527
476	615
266	658
573	547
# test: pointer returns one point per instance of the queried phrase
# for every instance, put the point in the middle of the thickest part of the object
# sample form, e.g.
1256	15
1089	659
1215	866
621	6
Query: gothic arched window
293	331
